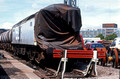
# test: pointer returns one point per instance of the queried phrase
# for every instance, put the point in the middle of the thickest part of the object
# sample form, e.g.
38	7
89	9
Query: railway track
49	73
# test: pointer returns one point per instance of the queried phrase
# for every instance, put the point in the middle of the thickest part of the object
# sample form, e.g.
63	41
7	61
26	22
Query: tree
101	36
111	37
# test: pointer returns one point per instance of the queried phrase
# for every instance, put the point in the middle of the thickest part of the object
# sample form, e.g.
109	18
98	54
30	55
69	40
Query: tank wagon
5	40
50	36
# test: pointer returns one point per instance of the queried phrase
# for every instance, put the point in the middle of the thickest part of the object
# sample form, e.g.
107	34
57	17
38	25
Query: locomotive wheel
116	59
31	55
15	51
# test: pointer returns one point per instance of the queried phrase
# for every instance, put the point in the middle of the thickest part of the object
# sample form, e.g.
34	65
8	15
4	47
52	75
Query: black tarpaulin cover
57	26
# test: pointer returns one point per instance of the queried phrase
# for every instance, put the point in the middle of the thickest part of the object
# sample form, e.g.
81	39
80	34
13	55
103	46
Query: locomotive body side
23	33
27	32
15	35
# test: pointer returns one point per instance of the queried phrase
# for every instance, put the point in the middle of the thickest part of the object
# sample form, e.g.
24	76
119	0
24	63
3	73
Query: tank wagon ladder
94	55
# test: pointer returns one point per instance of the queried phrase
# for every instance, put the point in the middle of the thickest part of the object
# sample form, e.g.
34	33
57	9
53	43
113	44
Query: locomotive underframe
34	53
29	51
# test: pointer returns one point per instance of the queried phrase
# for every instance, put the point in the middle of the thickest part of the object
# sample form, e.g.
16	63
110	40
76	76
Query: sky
94	12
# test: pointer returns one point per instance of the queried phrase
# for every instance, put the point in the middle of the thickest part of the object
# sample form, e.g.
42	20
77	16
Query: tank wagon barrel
6	37
5	40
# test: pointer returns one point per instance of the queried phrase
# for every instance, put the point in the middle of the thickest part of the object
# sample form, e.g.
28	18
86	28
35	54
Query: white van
116	43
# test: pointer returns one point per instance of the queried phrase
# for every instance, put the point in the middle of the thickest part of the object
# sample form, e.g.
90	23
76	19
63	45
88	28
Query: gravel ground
104	73
107	73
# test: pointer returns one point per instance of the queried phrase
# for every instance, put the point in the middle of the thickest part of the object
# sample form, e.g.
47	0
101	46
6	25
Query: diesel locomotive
54	27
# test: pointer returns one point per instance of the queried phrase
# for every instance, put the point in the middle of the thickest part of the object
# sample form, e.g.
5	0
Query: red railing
77	54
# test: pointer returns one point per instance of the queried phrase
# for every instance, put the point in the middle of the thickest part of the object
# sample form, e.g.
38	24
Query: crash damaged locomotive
48	36
54	27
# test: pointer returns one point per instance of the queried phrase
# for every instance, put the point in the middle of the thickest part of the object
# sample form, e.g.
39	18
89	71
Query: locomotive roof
24	20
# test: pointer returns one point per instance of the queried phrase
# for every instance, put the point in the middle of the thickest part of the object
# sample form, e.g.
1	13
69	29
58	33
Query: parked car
92	46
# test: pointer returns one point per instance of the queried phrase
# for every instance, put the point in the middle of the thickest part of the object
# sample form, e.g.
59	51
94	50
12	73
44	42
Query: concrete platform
11	68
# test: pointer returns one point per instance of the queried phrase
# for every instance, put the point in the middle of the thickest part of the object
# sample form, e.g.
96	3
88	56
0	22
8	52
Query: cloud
2	1
103	4
36	5
3	8
6	25
43	3
20	15
96	12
